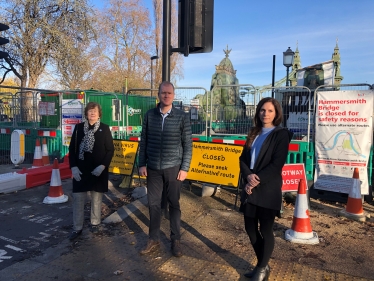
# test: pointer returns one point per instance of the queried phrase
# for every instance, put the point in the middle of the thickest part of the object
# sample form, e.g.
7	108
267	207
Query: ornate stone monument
226	102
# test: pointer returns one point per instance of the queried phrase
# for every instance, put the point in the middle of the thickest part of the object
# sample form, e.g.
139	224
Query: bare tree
40	31
124	41
75	67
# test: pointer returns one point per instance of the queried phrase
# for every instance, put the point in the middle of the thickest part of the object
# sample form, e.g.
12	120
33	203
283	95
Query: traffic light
3	41
195	26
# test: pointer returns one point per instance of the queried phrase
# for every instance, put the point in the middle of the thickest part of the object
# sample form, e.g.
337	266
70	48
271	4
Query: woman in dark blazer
90	153
261	164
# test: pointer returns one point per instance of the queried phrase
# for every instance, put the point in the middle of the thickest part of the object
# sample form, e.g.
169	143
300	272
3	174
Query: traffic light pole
166	40
195	30
3	41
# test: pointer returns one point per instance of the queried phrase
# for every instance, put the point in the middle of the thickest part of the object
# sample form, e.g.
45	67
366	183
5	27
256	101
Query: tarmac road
214	242
29	227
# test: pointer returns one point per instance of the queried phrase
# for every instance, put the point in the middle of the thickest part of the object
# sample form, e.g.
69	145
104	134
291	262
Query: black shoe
75	234
261	274
95	228
176	248
250	274
151	247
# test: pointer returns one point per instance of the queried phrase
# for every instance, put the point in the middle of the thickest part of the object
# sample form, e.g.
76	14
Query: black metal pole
273	78
166	35
287	84
151	75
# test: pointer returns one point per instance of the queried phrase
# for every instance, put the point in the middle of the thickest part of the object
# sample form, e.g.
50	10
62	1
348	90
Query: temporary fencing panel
188	99
297	106
192	100
230	109
38	113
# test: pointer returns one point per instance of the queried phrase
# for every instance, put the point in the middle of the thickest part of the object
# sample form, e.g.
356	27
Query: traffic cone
301	229
354	209
55	194
38	161
45	155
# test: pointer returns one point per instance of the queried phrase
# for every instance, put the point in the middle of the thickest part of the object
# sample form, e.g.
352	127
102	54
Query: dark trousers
262	239
157	181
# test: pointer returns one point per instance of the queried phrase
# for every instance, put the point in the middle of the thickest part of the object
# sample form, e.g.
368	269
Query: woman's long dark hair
256	130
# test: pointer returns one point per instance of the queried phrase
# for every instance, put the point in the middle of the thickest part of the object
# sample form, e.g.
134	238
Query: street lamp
288	61
152	58
242	94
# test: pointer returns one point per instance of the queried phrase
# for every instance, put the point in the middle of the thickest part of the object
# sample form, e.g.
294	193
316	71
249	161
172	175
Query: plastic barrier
42	175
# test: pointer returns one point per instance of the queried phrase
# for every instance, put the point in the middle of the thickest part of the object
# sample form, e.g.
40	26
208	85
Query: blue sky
257	30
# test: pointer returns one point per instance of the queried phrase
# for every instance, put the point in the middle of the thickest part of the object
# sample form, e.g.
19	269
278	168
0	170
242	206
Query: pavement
214	244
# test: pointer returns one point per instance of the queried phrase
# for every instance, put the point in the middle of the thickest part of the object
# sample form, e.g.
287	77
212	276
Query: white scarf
88	140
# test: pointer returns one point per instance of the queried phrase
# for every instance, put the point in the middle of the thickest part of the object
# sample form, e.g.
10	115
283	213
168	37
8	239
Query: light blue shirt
164	116
257	144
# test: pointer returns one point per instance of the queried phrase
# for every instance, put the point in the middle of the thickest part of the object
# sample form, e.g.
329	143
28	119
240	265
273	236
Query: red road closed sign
291	176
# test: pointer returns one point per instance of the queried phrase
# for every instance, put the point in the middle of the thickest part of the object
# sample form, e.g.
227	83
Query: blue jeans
79	199
156	180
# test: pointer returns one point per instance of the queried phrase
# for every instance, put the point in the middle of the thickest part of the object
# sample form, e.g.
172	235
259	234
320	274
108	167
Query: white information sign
344	134
71	113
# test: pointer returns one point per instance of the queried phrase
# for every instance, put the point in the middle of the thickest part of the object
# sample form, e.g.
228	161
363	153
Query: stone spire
336	59
296	58
296	65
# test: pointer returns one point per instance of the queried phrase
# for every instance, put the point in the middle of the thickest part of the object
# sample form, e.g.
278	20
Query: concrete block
139	192
10	182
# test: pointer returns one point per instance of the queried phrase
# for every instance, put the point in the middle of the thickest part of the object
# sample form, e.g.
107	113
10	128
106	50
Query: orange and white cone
55	194
354	209
38	161
301	229
45	156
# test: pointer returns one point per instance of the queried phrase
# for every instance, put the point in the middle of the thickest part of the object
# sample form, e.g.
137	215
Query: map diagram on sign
344	143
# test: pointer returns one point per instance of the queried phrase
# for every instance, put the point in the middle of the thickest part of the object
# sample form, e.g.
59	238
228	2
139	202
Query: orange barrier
42	175
354	209
55	194
301	229
38	161
45	156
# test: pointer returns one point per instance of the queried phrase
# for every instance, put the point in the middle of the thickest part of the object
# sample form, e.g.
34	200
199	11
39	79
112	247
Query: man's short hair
165	83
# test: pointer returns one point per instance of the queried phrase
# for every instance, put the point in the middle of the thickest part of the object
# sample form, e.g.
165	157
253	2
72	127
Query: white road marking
30	244
7	211
40	219
14	248
8	240
54	222
64	207
45	235
3	255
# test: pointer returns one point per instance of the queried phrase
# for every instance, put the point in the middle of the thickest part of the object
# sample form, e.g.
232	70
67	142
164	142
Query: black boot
250	274
261	274
176	248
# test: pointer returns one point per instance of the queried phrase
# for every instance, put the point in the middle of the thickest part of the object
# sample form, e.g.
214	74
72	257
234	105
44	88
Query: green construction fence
299	151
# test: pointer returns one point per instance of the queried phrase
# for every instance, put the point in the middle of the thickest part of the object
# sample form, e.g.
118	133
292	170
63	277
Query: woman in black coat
90	153
261	164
